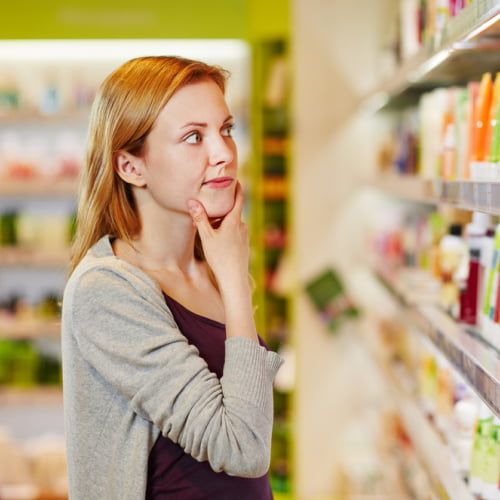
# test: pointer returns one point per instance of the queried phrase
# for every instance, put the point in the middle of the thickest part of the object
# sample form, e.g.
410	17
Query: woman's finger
200	219
235	213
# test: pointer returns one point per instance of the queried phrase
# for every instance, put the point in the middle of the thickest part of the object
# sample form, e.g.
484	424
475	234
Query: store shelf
467	195
476	360
23	117
13	396
29	329
428	442
15	256
469	47
38	187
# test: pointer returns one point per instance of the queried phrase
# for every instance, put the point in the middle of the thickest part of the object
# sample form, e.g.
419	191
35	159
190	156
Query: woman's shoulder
102	271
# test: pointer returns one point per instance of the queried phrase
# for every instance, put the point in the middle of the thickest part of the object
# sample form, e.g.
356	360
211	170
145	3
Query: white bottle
454	259
465	414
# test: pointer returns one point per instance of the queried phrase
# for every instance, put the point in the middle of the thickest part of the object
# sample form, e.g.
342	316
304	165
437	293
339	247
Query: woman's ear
130	168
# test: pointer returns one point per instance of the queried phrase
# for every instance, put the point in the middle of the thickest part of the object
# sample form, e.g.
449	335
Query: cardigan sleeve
133	342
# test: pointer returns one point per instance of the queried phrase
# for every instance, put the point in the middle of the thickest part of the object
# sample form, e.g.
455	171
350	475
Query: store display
45	94
465	266
424	23
454	134
457	416
56	154
327	293
271	205
32	471
437	434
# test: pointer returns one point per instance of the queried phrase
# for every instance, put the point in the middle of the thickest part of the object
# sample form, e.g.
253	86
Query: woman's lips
219	183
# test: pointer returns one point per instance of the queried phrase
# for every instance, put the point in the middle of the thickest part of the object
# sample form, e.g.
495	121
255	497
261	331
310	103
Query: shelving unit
38	187
466	195
29	329
269	231
30	396
428	442
31	257
473	357
31	117
470	46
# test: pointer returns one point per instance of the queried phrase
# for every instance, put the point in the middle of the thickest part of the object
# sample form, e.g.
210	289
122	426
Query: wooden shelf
14	256
472	356
469	47
467	195
38	187
428	442
29	329
13	396
24	117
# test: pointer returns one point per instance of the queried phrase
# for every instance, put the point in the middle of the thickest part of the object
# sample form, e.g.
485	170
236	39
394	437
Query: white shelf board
469	47
476	360
467	195
30	117
28	396
28	257
428	442
39	187
29	329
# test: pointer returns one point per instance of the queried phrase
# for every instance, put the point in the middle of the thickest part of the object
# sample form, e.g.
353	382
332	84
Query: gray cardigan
129	374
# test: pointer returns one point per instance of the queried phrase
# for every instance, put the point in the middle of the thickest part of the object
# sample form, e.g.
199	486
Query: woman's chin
220	211
217	214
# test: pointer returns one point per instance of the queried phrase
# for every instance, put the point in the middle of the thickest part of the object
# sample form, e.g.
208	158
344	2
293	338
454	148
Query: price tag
489	197
475	194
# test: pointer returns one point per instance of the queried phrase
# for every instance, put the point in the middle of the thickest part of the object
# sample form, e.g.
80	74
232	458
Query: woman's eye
193	138
228	131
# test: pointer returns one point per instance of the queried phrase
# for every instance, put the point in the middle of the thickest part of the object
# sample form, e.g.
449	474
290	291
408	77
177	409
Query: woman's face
191	144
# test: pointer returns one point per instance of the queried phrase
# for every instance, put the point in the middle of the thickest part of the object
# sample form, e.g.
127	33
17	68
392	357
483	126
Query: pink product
469	296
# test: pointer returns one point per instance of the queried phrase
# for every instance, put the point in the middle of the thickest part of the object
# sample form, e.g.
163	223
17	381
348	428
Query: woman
167	386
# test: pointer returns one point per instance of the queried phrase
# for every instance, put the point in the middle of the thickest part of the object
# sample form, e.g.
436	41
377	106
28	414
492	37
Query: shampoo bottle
490	287
469	296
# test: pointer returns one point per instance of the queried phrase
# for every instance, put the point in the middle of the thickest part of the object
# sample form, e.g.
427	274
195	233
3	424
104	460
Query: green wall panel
247	19
124	19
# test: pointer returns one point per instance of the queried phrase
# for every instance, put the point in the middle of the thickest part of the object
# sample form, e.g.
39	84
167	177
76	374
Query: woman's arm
227	253
134	344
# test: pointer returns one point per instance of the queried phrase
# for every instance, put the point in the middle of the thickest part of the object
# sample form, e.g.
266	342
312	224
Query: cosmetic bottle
469	296
479	166
449	150
494	134
473	92
491	462
461	132
465	413
454	262
490	286
478	457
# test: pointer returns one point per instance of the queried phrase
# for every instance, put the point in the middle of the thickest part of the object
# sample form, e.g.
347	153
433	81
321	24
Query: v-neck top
174	474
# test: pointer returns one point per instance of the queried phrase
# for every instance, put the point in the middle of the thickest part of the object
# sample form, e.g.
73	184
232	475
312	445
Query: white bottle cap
479	225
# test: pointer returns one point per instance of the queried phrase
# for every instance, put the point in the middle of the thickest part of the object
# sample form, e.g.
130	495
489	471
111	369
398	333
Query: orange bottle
482	118
473	90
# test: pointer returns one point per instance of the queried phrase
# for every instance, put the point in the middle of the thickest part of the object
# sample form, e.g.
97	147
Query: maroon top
174	474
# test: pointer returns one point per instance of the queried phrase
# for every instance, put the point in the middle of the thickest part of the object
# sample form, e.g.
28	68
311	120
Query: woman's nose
221	151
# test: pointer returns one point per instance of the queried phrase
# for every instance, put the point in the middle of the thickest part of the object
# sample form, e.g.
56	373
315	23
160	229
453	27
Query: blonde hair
123	113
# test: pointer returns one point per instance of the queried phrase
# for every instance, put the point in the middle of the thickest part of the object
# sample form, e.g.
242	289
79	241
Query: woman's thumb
199	216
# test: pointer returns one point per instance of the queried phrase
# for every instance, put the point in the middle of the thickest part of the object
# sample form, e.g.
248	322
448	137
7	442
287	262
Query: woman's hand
226	247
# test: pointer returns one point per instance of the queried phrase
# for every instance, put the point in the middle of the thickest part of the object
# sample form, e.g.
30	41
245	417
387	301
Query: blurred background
369	143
